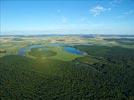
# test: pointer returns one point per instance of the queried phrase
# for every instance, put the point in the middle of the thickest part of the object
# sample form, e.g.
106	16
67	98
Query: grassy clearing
40	53
52	52
88	60
63	55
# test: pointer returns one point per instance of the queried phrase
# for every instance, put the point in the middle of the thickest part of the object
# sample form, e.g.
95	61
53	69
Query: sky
66	16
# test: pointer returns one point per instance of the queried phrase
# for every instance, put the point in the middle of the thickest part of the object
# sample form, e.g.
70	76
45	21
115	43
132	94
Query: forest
104	73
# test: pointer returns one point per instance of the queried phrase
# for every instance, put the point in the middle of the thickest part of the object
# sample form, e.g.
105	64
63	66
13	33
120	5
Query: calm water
56	44
73	50
22	51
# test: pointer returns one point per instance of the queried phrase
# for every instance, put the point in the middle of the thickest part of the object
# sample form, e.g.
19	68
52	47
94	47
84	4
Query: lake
73	50
22	51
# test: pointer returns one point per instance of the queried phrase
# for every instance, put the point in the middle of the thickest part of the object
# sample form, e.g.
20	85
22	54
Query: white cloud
97	10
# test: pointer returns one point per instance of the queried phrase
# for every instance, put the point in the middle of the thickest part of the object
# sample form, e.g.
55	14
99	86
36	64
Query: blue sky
67	16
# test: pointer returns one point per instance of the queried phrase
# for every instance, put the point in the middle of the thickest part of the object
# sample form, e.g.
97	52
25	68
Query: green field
104	72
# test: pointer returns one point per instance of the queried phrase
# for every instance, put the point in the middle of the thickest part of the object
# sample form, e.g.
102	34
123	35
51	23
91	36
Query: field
66	67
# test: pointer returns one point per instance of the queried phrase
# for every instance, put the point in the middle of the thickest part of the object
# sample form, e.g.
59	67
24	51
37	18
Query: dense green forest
106	73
